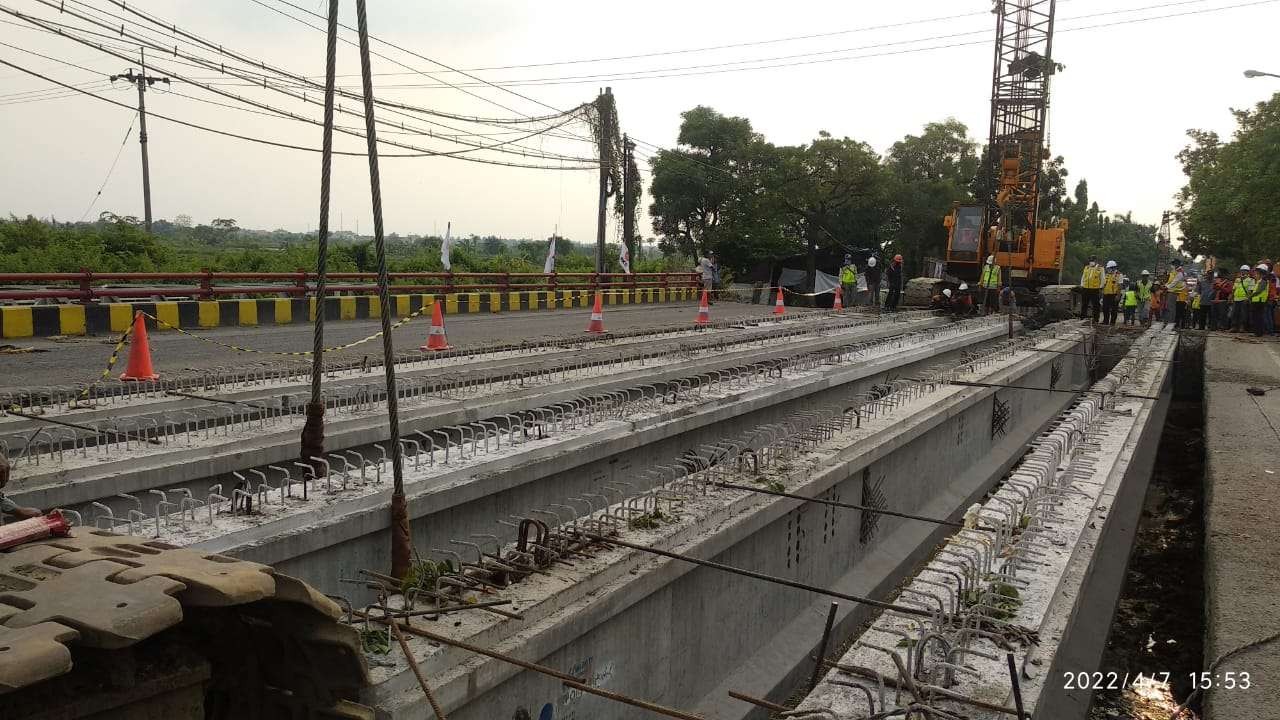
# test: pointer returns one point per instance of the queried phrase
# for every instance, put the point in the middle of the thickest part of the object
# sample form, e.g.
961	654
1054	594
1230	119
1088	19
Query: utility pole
142	80
604	107
628	200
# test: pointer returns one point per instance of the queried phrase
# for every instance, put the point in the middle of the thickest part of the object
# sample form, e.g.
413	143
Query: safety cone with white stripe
597	316
704	310
436	339
778	306
838	305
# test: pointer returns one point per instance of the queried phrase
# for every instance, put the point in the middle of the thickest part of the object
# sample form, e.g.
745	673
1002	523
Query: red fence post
86	286
206	283
301	283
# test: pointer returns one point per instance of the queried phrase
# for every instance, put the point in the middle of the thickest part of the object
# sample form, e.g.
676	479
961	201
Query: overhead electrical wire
504	147
272	143
94	200
257	63
70	31
723	67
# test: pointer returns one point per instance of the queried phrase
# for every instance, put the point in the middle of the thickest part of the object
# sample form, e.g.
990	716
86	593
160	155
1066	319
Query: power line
513	149
94	200
720	68
500	147
273	143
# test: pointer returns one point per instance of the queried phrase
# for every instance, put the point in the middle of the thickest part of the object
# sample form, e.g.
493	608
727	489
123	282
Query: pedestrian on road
849	281
1130	303
1091	290
873	281
1110	293
1144	298
894	277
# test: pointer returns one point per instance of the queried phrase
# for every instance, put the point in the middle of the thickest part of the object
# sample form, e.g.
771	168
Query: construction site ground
81	359
1242	526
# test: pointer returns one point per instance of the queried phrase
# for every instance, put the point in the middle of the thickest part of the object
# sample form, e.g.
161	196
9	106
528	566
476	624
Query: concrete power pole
628	200
142	80
605	107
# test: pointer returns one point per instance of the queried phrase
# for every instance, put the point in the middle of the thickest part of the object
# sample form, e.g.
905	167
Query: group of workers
986	299
865	289
1244	303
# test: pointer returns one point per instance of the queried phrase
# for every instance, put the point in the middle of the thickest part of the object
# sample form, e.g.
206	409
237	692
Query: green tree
1229	207
930	172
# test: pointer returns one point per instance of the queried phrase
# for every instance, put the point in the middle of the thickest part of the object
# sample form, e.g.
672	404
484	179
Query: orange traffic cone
139	367
436	339
838	305
596	325
778	306
704	311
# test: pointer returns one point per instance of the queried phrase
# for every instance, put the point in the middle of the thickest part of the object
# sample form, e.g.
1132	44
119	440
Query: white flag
550	265
624	259
446	246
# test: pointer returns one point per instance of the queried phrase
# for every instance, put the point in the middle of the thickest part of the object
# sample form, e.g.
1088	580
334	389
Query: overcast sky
1119	110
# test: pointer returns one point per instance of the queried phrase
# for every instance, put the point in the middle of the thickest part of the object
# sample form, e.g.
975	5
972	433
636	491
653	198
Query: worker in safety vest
1090	289
1259	294
1129	301
1110	293
1240	292
1273	297
1177	285
990	284
849	281
1143	288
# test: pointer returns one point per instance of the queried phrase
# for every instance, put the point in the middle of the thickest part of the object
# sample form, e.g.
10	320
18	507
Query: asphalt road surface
75	360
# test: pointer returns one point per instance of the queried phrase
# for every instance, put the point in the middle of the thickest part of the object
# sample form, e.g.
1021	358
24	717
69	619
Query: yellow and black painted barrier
21	321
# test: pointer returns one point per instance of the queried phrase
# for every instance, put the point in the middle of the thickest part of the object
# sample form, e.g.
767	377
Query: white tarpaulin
795	279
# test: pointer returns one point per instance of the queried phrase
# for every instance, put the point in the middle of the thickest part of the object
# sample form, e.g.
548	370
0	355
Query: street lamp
1259	73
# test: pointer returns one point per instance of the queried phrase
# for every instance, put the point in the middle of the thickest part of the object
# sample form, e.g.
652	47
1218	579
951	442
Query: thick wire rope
313	431
400	532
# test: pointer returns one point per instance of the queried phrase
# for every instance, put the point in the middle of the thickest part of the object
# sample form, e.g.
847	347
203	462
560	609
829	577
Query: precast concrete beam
665	631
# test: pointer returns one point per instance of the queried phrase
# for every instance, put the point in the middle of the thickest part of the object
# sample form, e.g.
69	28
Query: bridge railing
89	287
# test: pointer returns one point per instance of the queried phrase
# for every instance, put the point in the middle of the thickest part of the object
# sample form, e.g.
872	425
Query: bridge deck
1242	524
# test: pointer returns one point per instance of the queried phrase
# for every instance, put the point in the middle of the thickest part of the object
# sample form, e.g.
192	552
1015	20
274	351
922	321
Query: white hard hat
871	262
964	286
1146	272
947	292
1244	268
991	259
1111	264
1262	266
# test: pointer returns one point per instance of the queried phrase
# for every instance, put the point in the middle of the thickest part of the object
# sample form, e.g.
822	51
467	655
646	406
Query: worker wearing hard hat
1129	302
1177	285
1241	290
849	281
1090	289
1259	295
990	285
1110	293
893	276
1143	288
873	281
